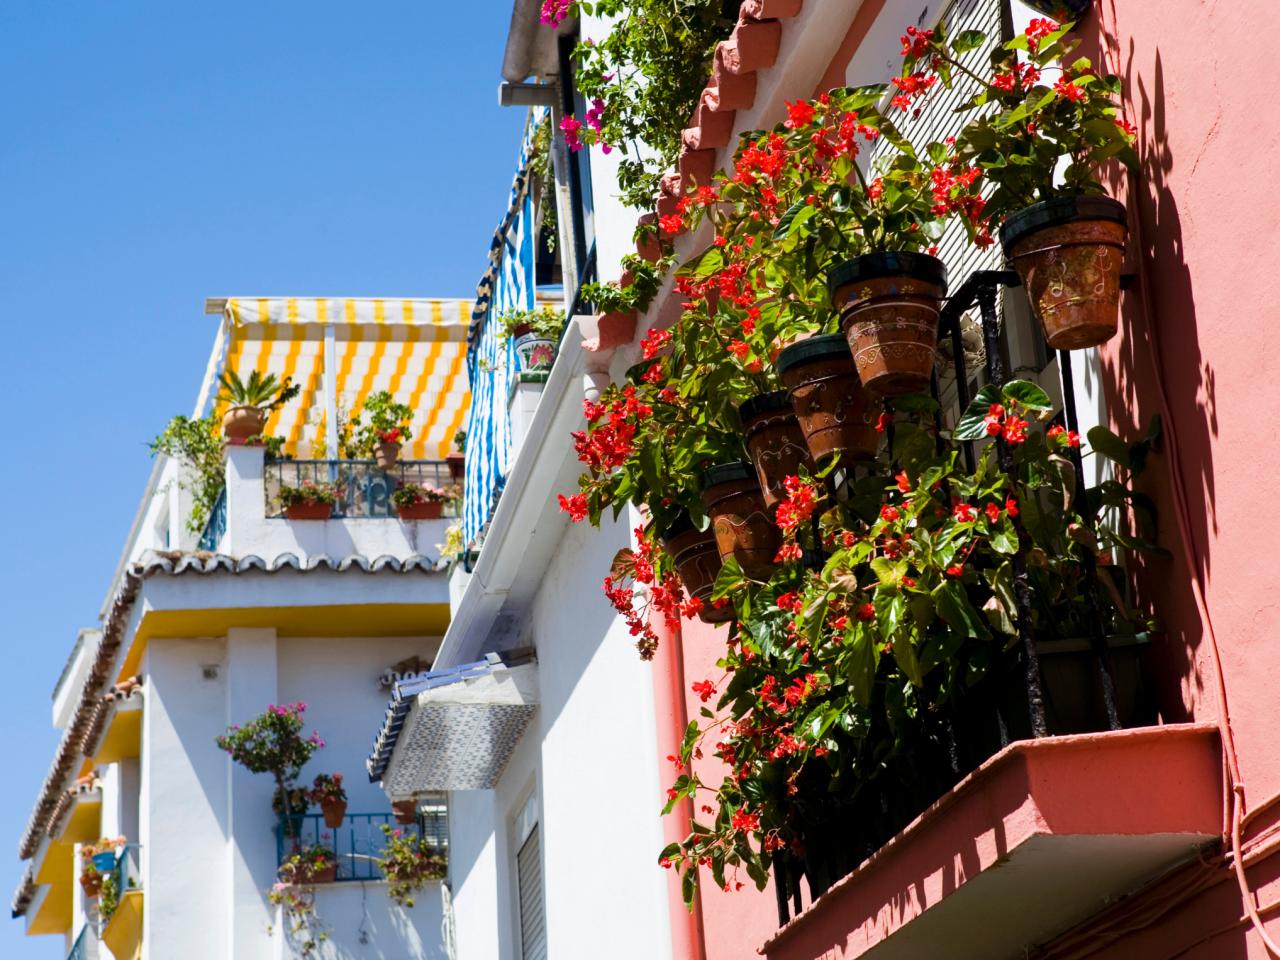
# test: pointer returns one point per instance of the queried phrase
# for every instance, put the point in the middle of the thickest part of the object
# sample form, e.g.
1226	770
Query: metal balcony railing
81	949
364	489
359	842
1019	703
216	525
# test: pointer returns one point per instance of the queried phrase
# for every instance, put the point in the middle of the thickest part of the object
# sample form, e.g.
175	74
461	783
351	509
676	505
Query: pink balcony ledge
1037	839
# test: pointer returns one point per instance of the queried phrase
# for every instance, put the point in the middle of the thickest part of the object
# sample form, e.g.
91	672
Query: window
533	930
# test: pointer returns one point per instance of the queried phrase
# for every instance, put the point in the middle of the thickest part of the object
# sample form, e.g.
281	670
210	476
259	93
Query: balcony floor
1039	838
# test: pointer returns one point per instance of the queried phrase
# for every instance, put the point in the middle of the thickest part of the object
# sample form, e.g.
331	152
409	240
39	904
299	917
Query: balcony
121	925
360	840
248	519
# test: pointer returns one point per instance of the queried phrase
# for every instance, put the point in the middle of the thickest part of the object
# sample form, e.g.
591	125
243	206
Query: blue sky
155	153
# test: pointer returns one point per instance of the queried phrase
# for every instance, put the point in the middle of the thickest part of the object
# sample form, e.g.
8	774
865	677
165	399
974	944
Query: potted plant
382	428
536	334
836	414
328	793
272	743
1042	145
697	561
405	811
97	861
251	401
310	500
774	442
310	864
420	501
408	863
291	807
456	458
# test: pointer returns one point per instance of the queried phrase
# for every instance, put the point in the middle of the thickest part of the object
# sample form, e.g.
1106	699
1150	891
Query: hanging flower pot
91	883
1068	252
536	352
334	811
240	423
888	304
835	413
743	528
314	510
406	811
775	442
697	561
386	453
456	462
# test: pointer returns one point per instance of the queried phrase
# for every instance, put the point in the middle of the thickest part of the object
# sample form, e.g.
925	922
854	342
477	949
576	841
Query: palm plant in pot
381	428
310	500
420	501
1043	128
251	401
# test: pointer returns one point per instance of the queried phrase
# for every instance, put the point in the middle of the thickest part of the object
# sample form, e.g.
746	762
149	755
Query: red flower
993	512
745	821
916	42
705	690
889	513
904	482
1011	507
575	506
1036	30
964	513
788	553
1015	430
991	422
1063	436
908	582
955	570
882	422
789	601
653	342
691	607
799	114
1068	90
739	349
839	624
867	611
671	223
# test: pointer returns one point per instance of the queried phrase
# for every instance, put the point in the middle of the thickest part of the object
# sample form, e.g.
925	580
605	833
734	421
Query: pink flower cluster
554	11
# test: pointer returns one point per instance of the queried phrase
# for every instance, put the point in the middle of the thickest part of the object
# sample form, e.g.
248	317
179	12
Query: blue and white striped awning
507	284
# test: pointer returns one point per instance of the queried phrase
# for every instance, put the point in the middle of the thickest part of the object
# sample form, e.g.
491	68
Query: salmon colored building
1157	841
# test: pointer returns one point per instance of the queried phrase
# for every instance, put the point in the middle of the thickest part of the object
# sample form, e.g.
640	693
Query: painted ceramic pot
743	526
889	304
835	413
775	443
697	560
1069	252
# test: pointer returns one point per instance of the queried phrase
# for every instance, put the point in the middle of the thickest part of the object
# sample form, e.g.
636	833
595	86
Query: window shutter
533	930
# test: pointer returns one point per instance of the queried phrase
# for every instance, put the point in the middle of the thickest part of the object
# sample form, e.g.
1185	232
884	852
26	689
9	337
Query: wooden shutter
533	929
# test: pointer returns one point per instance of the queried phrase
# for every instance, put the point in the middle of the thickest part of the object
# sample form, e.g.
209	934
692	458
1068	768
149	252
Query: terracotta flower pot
422	510
743	528
1068	252
406	811
302	510
457	464
334	811
241	423
888	304
91	884
836	414
697	560
325	874
775	442
386	453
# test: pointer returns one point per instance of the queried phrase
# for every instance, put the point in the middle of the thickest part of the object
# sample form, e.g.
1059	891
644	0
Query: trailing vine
197	445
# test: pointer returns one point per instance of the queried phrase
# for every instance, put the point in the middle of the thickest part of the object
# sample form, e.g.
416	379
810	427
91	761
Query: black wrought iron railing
364	489
359	842
1064	684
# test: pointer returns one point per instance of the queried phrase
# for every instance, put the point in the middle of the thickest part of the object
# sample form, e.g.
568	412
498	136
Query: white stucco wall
207	825
589	755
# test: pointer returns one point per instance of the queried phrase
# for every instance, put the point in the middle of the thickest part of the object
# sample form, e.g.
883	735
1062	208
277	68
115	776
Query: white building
198	635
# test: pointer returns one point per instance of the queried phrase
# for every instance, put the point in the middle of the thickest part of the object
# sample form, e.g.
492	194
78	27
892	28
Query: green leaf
1105	442
1004	539
967	40
1028	394
863	660
728	579
954	607
887	571
784	225
904	653
971	426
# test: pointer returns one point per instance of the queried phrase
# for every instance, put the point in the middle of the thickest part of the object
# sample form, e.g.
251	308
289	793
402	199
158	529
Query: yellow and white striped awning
414	348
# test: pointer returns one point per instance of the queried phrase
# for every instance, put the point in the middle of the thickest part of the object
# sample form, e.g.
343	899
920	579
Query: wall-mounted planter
334	811
1068	252
836	414
743	528
775	442
697	560
308	511
405	811
889	305
422	510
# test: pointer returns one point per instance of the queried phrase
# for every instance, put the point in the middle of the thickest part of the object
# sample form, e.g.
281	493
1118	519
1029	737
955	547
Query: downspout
687	936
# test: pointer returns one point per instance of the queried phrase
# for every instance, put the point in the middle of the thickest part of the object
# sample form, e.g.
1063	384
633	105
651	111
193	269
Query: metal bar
985	293
780	886
1089	563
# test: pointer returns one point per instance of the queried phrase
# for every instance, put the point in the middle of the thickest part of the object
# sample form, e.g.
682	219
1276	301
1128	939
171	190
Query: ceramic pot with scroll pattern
743	526
889	304
775	443
835	413
697	560
1068	252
